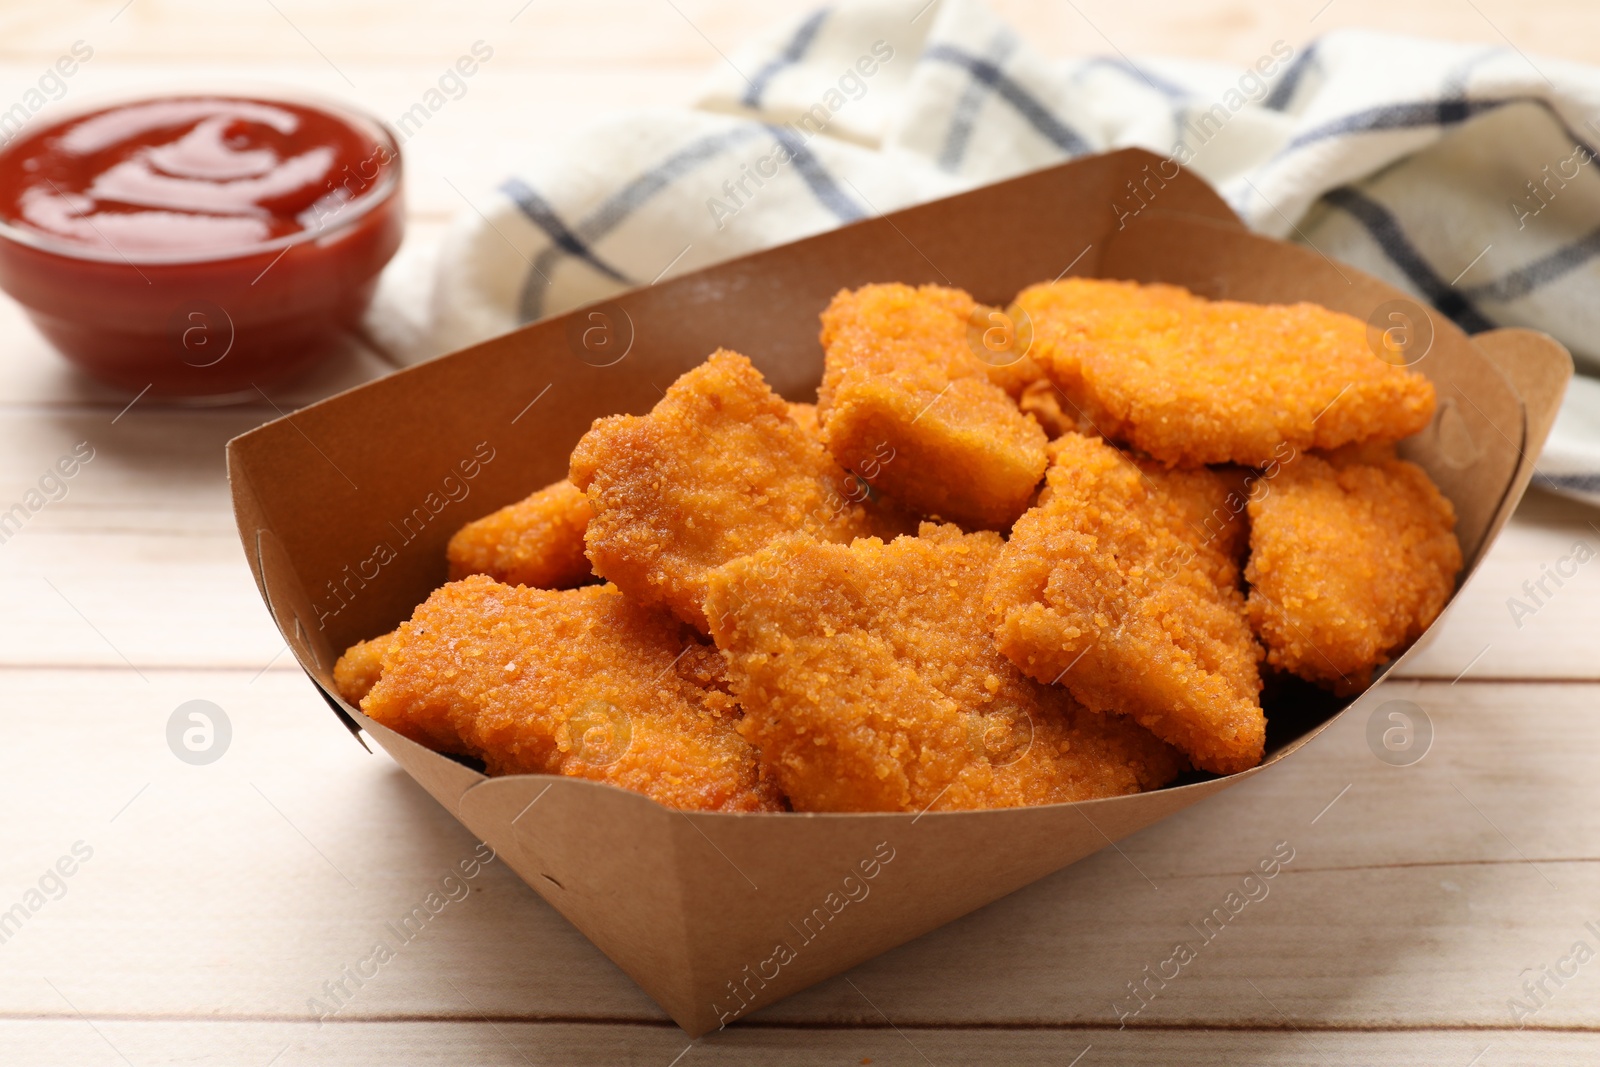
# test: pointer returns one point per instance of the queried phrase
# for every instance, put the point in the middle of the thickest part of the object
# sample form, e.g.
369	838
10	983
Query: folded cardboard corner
344	509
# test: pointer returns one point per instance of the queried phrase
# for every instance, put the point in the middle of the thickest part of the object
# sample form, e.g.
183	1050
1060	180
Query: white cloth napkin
1463	174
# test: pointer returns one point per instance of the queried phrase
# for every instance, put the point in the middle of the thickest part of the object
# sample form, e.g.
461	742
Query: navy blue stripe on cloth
1385	229
1412	115
1548	268
1282	94
964	116
541	214
816	176
792	53
1026	104
611	213
1418	114
616	208
1572	483
1422	113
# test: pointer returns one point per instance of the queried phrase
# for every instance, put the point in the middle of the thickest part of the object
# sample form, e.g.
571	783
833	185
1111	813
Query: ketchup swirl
198	244
188	176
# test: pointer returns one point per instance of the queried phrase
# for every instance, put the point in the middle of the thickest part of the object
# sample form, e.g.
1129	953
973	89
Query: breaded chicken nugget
1042	400
1006	341
1209	505
886	518
577	682
359	668
538	541
1349	562
805	416
1111	587
1015	378
1193	381
703	666
715	471
870	683
906	404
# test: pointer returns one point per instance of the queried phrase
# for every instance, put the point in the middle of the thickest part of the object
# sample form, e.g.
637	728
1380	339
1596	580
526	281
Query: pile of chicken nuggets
1013	557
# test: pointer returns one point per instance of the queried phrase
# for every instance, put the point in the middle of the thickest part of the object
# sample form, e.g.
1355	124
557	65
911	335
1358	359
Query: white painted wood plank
504	1044
138	562
1486	635
242	886
631	31
222	891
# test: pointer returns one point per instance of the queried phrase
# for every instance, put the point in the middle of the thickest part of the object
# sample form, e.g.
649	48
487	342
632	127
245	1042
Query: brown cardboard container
345	507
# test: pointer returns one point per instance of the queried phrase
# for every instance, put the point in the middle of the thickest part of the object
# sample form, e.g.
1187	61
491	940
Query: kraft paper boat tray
345	507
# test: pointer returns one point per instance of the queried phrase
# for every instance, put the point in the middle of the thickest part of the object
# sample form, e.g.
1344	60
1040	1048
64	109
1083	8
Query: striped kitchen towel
1460	173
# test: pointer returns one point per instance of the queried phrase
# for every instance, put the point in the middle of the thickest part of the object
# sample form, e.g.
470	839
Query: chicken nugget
1350	561
1111	588
358	670
578	682
538	541
1206	506
870	683
906	404
805	417
1042	399
1192	381
703	666
1209	505
885	518
715	471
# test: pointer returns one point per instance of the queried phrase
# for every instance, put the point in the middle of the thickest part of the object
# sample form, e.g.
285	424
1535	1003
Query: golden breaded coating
1192	381
1210	506
1042	400
1015	378
717	470
1207	506
578	682
1110	588
1002	335
805	416
704	666
359	668
870	683
1349	562
906	404
538	541
885	518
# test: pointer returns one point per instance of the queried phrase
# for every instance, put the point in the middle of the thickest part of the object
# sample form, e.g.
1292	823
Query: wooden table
209	904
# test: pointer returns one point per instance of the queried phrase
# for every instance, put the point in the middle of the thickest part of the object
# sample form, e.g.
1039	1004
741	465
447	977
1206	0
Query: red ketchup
199	245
